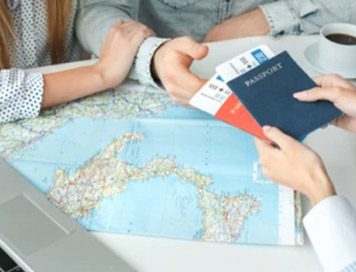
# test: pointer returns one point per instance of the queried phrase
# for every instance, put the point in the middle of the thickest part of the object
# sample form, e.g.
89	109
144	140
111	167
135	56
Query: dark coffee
342	38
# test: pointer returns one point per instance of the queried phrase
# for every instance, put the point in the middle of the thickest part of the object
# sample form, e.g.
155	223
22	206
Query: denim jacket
173	18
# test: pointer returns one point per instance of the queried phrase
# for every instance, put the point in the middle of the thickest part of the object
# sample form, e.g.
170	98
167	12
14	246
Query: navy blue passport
267	92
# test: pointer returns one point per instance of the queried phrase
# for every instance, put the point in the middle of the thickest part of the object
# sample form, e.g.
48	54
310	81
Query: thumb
315	94
191	48
201	52
278	137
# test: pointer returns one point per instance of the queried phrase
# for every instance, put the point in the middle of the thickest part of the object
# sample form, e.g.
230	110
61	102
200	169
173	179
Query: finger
315	94
176	95
345	122
188	82
332	81
119	23
262	146
132	25
138	37
278	137
139	32
266	151
130	22
191	48
177	92
136	33
150	32
183	102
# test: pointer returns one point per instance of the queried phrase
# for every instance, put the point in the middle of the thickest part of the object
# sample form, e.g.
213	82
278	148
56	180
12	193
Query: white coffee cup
335	57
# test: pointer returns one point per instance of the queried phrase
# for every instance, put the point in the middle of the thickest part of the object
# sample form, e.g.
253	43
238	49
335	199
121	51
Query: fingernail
266	129
299	95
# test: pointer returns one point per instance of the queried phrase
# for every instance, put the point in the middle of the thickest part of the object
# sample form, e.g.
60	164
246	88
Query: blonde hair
58	15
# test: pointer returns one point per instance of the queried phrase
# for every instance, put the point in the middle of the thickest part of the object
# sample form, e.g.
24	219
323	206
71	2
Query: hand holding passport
262	88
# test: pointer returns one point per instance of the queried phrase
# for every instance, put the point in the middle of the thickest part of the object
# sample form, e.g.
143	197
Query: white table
336	147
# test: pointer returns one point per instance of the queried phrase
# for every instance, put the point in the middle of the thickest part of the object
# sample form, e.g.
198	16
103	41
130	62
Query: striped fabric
350	268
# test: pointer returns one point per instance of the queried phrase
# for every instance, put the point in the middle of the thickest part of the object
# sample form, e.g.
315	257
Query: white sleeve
20	94
331	226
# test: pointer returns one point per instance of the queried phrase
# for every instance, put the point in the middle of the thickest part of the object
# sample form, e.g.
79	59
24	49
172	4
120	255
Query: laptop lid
39	237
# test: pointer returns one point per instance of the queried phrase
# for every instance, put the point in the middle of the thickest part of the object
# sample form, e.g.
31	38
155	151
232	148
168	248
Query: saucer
311	55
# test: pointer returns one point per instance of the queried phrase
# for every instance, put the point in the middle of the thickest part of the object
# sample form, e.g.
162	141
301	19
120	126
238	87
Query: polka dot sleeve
21	94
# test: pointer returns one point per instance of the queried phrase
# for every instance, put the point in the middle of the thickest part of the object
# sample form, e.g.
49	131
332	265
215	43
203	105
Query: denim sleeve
97	17
307	16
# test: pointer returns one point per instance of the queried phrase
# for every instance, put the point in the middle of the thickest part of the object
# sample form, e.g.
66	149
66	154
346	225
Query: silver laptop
35	236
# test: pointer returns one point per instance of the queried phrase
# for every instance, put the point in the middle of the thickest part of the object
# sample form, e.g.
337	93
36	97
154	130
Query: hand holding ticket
256	89
217	99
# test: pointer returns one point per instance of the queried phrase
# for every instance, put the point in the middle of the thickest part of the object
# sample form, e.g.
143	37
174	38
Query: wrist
320	188
260	26
263	24
102	76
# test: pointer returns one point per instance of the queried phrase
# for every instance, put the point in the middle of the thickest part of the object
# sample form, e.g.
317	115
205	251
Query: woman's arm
331	224
116	58
23	94
70	85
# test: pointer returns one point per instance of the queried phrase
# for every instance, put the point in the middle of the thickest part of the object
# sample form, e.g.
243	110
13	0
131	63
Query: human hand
338	91
294	165
253	23
119	50
171	64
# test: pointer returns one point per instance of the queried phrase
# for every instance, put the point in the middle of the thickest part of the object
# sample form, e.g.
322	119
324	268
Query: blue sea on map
164	207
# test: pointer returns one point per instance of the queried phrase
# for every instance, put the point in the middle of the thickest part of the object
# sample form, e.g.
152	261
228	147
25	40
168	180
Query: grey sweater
173	18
